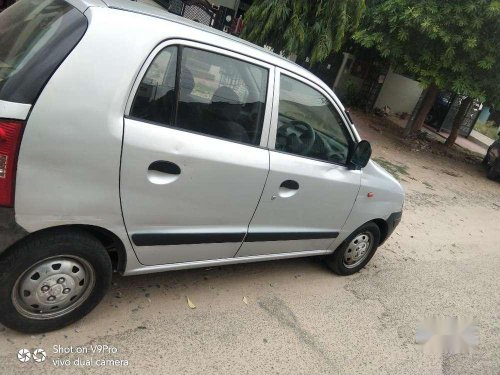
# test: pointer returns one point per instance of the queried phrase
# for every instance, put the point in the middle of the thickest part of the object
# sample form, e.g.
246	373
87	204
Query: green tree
489	82
444	44
306	28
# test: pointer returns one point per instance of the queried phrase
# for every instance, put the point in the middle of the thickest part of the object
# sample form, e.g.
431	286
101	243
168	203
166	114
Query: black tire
485	160
17	260
336	261
494	170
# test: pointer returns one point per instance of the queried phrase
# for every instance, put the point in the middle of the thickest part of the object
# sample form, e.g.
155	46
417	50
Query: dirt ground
299	318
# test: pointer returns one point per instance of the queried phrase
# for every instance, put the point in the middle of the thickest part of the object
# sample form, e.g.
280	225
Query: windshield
35	37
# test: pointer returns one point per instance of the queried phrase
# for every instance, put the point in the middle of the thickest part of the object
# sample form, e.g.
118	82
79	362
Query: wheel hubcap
53	287
358	249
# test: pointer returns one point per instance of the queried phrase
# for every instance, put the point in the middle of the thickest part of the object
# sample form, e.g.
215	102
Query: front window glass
308	124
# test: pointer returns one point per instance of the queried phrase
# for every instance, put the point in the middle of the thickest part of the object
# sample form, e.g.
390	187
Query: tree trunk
428	102
457	121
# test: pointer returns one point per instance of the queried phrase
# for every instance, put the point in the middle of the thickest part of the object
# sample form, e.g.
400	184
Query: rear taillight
10	139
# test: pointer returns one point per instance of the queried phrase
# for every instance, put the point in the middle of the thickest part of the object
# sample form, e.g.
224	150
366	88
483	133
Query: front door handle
163	172
288	188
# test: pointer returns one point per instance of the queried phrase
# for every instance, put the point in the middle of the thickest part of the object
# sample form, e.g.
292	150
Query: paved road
444	259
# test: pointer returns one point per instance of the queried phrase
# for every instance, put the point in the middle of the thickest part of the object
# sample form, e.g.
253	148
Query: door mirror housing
361	155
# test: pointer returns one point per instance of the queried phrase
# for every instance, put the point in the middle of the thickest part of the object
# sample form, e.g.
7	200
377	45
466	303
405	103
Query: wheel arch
383	227
111	242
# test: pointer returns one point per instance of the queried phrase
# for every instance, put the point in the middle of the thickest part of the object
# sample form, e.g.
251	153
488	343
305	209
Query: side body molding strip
165	239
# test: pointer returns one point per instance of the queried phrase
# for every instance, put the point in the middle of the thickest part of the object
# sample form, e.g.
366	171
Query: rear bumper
10	231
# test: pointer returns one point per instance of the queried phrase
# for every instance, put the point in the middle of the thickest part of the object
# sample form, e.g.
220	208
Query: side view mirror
361	155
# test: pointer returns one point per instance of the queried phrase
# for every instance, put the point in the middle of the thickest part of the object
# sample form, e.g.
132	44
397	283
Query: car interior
209	103
200	108
299	137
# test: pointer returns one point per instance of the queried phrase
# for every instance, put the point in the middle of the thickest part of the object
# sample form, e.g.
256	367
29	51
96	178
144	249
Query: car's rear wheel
52	280
356	251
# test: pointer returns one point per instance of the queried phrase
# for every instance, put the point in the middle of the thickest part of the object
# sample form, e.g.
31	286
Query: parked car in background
136	141
492	160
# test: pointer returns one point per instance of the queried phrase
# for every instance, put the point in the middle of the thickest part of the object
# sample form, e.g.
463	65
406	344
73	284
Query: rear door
194	160
309	192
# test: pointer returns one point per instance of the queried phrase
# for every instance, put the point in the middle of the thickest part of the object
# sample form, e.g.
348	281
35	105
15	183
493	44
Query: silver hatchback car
133	140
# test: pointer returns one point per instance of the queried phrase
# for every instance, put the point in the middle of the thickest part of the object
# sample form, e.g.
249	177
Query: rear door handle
288	188
163	172
165	167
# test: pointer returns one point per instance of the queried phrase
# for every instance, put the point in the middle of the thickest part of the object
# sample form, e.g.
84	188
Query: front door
309	192
193	168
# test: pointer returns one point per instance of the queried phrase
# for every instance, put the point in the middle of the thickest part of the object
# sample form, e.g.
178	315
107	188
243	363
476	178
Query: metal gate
469	120
197	10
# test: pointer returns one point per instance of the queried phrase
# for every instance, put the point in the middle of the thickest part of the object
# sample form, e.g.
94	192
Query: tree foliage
306	28
451	44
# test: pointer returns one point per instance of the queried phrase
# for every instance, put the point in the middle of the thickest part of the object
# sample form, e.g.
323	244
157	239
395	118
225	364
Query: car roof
148	10
251	49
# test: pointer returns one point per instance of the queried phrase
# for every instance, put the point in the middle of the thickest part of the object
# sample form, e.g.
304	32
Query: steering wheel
299	145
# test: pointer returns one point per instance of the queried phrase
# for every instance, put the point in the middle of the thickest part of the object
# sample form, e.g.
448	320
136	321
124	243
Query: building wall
400	93
151	3
484	115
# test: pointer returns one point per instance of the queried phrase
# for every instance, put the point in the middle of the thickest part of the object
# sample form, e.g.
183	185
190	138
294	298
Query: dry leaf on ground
190	304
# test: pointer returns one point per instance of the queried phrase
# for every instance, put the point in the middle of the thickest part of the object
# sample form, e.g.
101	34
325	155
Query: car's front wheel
356	251
52	280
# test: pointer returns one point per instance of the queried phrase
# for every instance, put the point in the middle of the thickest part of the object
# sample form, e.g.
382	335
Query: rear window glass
35	37
210	94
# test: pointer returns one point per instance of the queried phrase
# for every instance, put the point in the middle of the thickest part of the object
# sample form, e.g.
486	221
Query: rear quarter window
35	37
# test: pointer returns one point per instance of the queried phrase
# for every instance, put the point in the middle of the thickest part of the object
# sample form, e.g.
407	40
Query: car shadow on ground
237	274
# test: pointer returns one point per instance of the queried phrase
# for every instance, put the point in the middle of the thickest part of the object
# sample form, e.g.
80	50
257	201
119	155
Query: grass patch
427	185
397	170
487	128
